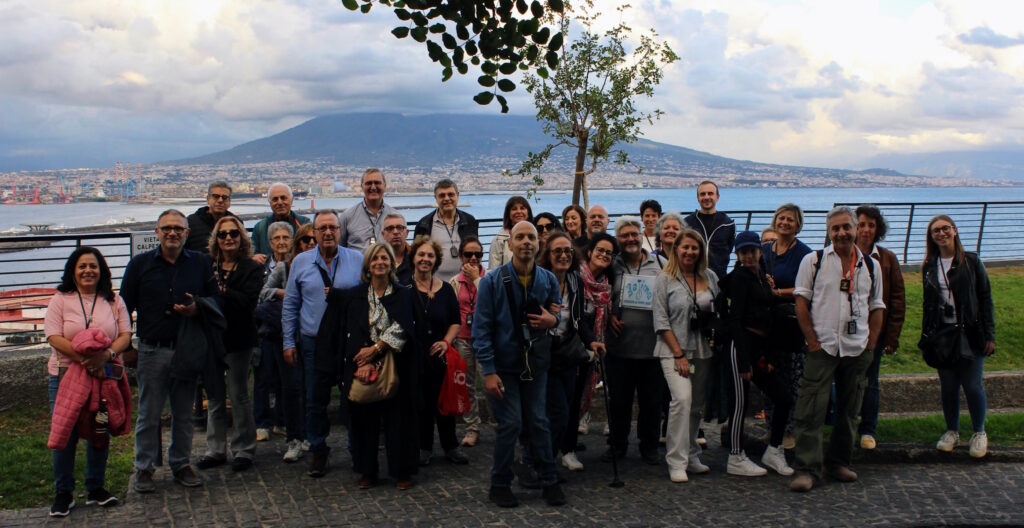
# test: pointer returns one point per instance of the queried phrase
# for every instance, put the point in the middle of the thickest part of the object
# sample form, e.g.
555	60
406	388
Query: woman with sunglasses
546	223
289	375
517	209
465	284
239	278
957	291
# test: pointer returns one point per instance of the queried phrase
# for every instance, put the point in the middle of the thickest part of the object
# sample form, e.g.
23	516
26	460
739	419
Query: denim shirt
494	332
304	299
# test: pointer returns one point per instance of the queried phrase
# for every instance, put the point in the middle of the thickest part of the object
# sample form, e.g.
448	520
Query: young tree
588	102
501	37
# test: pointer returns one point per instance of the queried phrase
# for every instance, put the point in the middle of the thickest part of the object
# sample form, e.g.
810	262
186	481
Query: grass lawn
26	467
1008	296
1005	429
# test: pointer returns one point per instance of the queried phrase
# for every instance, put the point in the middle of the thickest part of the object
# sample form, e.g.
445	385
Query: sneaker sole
63	513
92	502
738	474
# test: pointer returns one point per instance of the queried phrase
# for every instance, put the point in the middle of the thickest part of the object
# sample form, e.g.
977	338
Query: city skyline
805	83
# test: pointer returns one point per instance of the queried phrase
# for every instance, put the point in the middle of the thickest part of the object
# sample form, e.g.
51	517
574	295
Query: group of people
310	304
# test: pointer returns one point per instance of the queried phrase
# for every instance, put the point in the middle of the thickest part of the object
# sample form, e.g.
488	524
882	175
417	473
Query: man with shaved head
516	304
280	197
596	222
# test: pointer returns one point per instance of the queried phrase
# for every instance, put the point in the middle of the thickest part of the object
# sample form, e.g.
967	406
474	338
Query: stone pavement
959	491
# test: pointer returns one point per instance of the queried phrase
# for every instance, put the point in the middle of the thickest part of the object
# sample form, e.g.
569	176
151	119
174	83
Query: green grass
1008	296
1005	429
26	467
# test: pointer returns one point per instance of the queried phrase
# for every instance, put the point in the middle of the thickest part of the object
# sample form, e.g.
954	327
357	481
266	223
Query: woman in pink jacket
85	299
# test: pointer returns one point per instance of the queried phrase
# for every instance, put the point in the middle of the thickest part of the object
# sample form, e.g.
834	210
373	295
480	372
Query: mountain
972	164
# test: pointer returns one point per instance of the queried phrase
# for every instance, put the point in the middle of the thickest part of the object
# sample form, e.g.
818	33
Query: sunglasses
233	233
167	229
218	197
473	254
308	239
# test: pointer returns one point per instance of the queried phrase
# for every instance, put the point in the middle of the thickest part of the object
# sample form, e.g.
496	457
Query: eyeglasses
603	251
562	251
328	228
167	229
308	239
218	197
393	228
376	183
473	254
233	233
946	229
629	235
545	227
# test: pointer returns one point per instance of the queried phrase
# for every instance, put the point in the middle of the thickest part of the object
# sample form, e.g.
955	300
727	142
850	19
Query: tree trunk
582	137
586	196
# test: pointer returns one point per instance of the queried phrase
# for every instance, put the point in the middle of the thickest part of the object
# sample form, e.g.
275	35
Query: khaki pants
850	376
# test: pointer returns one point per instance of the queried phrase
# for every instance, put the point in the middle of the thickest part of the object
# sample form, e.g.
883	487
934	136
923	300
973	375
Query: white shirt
831	308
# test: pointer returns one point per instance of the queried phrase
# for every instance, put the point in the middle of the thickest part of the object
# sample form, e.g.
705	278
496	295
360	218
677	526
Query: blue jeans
266	381
869	409
522	400
289	397
64	459
968	374
318	396
155	386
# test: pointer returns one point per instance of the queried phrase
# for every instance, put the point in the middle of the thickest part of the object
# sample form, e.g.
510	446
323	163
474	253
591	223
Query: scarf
598	293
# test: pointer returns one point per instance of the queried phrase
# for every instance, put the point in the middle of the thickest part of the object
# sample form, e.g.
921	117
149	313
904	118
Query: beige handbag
384	386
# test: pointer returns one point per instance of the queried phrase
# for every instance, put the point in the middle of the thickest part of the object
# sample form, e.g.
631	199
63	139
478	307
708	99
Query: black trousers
772	384
434	370
571	436
366	426
644	378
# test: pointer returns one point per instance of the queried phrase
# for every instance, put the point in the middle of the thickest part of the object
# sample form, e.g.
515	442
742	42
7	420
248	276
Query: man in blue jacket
515	306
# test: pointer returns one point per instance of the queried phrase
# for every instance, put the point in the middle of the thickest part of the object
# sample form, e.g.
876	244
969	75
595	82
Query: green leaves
484	98
351	5
486	81
400	32
419	34
506	85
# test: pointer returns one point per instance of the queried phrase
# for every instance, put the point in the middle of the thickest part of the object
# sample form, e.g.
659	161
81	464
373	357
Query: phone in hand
115	371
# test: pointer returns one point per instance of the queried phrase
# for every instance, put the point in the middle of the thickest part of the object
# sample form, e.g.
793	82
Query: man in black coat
201	222
447	226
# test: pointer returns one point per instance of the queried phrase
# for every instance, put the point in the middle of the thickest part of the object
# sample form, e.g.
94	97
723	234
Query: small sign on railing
143	241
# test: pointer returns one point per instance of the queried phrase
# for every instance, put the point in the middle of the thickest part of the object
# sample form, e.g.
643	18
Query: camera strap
522	332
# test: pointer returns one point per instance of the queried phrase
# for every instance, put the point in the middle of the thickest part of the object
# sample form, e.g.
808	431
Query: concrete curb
927	454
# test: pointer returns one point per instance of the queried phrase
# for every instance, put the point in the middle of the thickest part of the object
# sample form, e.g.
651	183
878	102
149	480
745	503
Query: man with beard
516	304
361	225
596	222
632	367
839	308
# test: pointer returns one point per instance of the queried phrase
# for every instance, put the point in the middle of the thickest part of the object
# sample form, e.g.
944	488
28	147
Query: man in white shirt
839	307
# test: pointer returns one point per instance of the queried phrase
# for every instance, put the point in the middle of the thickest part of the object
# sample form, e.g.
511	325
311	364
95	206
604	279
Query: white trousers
677	441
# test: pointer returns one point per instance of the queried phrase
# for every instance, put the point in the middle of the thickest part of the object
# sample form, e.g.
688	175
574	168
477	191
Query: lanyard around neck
95	296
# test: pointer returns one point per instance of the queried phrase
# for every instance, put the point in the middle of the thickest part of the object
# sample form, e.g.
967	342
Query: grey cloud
985	36
970	93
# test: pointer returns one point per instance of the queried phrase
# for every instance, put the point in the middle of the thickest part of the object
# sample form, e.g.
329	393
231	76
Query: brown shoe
470	439
802	482
366	483
144	481
842	474
404	485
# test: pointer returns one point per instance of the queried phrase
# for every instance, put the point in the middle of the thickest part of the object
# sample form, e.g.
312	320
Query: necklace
426	289
95	296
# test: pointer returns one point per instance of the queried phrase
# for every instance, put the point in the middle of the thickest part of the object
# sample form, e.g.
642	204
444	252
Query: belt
170	343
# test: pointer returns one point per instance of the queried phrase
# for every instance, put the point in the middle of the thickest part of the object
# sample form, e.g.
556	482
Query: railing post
906	241
981	227
750	216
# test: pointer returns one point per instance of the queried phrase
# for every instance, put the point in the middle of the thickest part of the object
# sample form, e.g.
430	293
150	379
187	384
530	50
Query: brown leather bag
384	386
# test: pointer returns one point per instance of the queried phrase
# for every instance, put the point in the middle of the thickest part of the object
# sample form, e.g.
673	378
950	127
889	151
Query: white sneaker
570	462
949	441
305	445
775	458
677	475
294	452
979	444
262	434
696	466
742	466
584	427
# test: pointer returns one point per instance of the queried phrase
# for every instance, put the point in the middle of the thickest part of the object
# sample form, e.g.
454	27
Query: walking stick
615	483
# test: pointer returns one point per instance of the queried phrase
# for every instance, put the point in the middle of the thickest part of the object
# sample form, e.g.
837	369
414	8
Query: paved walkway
278	494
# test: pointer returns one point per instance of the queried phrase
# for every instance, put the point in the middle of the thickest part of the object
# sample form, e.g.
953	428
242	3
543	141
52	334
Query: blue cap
747	239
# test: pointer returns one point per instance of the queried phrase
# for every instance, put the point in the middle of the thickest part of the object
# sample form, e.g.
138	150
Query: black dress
433	318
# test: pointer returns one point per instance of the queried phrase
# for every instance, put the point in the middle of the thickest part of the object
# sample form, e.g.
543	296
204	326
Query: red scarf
598	293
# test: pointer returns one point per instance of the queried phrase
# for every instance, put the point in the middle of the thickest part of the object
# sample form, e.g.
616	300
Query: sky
824	83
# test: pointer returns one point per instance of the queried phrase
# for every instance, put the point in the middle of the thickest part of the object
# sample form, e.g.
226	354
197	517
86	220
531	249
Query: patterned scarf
598	293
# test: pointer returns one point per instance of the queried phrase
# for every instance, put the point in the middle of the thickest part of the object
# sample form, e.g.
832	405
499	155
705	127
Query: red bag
454	397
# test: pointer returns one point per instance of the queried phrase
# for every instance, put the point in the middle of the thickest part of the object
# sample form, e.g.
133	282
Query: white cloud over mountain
807	82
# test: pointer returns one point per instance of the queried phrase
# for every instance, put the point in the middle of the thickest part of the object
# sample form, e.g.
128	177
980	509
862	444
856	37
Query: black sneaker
144	481
612	452
210	462
456	457
318	466
62	505
503	497
651	457
553	495
241	463
528	477
101	497
186	476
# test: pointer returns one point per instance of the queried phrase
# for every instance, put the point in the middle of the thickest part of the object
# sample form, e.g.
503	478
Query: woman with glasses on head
546	223
289	375
465	286
437	315
84	300
265	374
239	278
957	292
570	341
517	209
596	277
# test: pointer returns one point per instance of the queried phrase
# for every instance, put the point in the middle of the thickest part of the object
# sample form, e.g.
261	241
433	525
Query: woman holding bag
436	312
957	292
84	300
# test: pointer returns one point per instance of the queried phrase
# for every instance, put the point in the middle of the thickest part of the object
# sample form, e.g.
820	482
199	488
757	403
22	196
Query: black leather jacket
972	296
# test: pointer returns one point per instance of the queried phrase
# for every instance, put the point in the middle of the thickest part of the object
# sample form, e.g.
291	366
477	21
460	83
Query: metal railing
993	229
